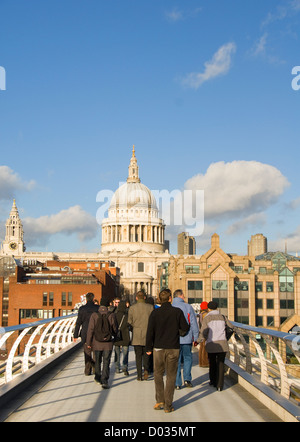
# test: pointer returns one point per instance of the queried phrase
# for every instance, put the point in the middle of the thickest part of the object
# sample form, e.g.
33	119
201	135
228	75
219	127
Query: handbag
228	330
119	332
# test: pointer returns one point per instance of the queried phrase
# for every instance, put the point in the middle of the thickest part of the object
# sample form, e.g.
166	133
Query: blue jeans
185	358
125	351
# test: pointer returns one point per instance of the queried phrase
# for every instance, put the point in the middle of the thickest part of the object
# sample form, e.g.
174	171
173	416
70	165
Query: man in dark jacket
102	348
122	345
81	327
166	325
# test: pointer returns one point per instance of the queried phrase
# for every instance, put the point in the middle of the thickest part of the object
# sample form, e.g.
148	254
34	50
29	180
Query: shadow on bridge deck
66	395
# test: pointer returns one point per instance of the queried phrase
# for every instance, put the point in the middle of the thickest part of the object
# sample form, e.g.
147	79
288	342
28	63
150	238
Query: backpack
103	331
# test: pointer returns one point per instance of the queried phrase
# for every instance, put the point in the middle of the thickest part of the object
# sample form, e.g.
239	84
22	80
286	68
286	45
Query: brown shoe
169	410
146	375
159	406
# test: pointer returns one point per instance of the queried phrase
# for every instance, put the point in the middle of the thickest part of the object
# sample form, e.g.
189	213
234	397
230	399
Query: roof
269	256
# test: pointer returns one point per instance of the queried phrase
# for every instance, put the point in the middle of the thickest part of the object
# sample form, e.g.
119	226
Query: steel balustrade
40	340
267	364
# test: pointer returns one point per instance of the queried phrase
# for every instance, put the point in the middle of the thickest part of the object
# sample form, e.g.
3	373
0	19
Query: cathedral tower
14	242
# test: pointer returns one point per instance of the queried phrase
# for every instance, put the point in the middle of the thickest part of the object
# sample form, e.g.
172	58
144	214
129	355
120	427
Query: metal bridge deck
66	395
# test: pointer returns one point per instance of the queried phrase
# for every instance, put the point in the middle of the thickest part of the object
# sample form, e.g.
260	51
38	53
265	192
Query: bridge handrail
247	353
41	339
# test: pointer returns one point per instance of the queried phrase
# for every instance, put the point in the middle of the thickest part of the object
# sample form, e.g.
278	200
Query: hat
212	305
104	302
204	305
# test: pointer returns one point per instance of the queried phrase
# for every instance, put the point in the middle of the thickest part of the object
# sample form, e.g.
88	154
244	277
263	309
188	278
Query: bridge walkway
66	395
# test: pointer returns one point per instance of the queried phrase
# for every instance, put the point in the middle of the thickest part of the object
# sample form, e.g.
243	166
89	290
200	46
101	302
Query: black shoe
105	386
188	384
126	373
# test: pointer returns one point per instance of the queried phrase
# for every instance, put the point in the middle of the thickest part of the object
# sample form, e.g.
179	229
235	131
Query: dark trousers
141	359
89	362
165	361
102	366
216	369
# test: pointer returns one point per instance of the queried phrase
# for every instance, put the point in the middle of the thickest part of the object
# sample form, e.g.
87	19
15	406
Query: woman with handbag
213	331
122	340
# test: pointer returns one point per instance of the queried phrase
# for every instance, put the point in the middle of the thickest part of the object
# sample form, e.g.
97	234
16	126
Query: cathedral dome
133	221
133	195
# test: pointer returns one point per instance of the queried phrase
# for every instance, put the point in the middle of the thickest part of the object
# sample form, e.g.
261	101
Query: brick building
32	290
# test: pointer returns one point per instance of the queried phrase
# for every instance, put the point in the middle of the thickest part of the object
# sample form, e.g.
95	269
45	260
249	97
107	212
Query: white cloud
70	221
10	183
291	242
177	15
218	65
260	46
239	188
256	219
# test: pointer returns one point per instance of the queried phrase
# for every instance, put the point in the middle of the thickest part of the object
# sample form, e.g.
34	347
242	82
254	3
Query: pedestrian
81	327
101	341
166	324
138	317
187	341
122	344
203	356
213	330
113	305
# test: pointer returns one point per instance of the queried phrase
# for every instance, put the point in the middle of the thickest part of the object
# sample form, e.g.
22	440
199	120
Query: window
195	292
45	298
51	299
141	267
195	285
238	269
287	304
270	304
63	299
241	286
70	298
192	269
219	285
259	303
259	321
258	286
222	302
270	286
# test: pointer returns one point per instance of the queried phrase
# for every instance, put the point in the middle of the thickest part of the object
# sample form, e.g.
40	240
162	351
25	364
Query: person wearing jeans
186	342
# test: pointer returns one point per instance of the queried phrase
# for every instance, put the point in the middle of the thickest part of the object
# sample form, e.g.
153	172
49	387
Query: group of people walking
162	335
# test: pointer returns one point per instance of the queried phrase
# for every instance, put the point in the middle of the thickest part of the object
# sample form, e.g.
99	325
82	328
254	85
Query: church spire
14	242
133	174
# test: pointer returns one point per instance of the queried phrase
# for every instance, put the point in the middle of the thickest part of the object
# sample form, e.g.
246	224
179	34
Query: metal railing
30	344
263	354
258	351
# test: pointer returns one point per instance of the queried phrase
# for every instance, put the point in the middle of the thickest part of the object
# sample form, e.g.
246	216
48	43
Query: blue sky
202	88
